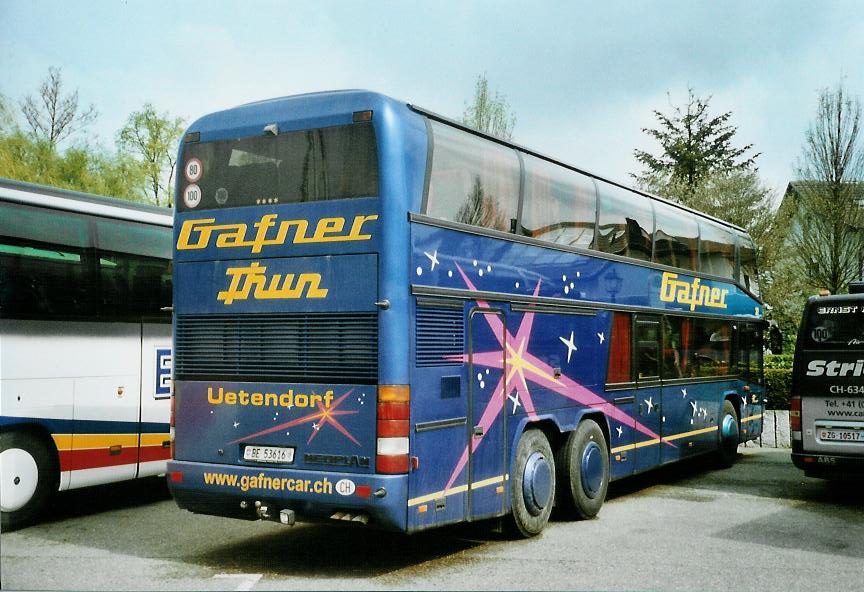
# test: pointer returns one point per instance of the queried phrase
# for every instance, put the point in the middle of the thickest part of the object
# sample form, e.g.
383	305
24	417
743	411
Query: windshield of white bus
320	164
835	326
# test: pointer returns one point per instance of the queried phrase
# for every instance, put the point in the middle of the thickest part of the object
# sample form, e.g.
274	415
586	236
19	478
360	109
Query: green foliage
778	387
487	113
80	168
779	361
151	138
694	145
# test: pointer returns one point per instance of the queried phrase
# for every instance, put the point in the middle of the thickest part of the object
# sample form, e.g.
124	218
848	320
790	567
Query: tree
53	116
694	146
828	240
7	117
487	113
152	139
81	168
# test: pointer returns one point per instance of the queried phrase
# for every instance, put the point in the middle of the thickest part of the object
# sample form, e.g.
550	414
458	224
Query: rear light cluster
795	417
393	415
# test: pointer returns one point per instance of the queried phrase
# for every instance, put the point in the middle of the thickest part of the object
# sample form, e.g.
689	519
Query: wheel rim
19	476
536	483
729	430
592	469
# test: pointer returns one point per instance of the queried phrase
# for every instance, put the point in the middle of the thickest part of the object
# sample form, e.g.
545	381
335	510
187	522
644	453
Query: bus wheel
727	452
28	478
584	471
532	484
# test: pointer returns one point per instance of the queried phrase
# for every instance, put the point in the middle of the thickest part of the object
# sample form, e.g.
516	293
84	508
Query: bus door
681	404
487	377
646	337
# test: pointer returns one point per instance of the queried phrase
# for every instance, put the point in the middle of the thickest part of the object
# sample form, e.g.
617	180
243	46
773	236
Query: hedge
778	387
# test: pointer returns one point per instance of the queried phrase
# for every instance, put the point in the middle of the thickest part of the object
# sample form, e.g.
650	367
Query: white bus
85	343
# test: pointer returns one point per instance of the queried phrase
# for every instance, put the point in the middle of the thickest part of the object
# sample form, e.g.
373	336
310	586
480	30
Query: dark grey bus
827	406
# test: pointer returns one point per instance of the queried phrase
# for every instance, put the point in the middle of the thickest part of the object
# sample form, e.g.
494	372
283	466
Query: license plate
842	435
269	454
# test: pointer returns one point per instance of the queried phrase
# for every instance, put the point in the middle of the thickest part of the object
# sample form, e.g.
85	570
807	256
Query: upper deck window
474	181
311	165
716	250
626	222
677	237
559	204
747	258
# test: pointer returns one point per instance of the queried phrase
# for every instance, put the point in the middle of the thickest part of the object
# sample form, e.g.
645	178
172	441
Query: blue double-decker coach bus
385	318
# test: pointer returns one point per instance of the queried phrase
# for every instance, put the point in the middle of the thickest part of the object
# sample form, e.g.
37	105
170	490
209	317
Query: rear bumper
219	490
825	465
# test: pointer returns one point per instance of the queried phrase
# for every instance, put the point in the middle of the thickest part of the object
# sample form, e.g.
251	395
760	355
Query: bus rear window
310	165
835	326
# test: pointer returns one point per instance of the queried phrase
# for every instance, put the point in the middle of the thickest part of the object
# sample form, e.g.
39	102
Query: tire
583	468
727	438
532	484
28	478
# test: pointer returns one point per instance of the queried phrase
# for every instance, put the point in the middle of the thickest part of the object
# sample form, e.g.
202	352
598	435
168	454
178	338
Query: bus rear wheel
532	485
584	471
727	452
28	478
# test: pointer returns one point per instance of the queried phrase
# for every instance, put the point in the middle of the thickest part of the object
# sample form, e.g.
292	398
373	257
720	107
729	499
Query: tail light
393	415
795	417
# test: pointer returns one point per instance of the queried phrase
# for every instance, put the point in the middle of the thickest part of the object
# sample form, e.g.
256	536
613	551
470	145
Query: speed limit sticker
193	170
192	196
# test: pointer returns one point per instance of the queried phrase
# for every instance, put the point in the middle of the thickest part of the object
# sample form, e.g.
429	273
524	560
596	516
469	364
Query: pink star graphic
326	415
524	364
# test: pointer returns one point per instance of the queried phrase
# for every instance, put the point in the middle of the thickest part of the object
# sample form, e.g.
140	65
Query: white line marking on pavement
247	581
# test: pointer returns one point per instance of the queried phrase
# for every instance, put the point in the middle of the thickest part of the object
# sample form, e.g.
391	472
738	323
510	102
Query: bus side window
473	180
676	238
716	250
676	335
619	350
625	222
559	204
647	349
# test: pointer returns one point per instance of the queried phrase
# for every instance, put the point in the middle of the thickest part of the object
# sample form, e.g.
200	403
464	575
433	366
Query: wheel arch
38	431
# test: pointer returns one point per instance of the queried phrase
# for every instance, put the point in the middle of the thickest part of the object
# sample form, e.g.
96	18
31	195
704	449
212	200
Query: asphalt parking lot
760	525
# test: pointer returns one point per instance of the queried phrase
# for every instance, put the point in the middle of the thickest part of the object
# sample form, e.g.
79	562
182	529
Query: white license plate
269	454
842	435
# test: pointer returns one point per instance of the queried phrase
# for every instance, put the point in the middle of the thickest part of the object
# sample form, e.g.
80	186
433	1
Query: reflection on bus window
625	223
559	204
676	238
474	181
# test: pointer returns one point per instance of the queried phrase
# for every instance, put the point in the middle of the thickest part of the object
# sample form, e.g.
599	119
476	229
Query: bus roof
87	203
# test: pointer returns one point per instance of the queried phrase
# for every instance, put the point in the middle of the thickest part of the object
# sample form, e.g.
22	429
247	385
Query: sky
581	78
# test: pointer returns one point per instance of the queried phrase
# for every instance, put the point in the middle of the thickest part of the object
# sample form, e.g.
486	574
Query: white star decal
601	337
620	431
315	426
571	347
236	423
650	402
515	398
693	404
433	258
743	402
683	392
